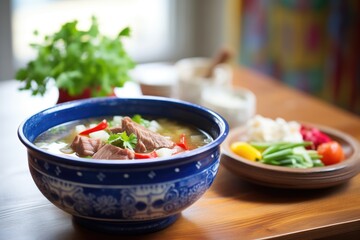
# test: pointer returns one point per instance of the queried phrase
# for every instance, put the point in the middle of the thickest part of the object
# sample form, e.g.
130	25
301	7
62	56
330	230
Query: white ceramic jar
236	105
192	77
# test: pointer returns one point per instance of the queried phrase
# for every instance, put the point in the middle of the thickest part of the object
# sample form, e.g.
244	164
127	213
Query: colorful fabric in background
312	45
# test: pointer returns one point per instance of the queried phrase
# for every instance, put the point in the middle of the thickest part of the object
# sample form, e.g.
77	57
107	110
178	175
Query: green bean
278	154
288	154
272	162
294	145
264	145
318	163
298	158
282	162
307	159
313	154
287	161
283	145
271	149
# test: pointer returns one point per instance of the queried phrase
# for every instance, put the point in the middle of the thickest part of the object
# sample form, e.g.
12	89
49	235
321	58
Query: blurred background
311	45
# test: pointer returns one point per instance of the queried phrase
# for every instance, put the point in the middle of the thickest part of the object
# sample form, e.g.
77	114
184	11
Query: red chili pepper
152	154
182	142
101	126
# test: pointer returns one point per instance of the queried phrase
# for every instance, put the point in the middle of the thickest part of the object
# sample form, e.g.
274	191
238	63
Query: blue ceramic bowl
124	196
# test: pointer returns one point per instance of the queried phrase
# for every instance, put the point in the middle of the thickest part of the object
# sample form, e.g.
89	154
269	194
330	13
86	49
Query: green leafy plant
78	60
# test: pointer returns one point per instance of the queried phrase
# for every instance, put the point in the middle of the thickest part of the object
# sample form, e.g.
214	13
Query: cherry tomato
331	152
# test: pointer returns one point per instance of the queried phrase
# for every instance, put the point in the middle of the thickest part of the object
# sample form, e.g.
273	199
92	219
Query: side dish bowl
294	178
124	196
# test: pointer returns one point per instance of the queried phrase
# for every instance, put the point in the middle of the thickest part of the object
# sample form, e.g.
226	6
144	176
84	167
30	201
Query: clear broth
58	139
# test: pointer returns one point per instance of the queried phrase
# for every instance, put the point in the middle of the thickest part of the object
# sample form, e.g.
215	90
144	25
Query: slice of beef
85	146
109	151
147	139
116	130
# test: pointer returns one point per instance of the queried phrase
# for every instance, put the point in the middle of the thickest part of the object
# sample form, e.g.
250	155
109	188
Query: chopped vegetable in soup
122	137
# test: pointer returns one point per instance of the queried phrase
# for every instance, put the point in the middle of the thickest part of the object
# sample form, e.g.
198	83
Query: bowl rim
350	161
181	158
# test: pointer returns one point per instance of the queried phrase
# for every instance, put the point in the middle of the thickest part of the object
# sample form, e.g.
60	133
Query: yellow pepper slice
245	150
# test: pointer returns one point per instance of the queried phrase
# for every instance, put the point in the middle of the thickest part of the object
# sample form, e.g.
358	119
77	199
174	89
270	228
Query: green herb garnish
140	120
78	60
123	140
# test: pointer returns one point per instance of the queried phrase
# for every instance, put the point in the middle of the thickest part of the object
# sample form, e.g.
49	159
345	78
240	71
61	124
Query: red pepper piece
182	142
152	154
101	126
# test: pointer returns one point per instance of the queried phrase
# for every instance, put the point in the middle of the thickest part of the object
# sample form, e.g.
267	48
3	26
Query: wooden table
231	209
